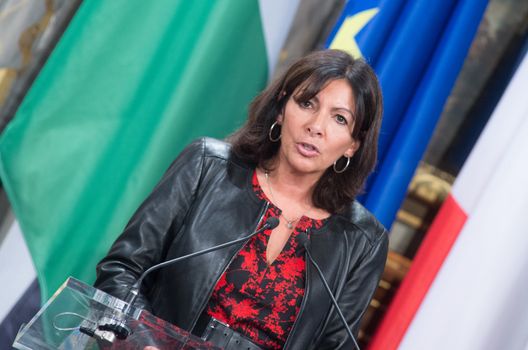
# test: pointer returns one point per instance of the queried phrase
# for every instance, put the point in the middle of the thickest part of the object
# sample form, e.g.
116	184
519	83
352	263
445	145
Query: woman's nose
315	126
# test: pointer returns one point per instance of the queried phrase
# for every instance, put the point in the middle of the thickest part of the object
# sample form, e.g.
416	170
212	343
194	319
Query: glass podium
79	316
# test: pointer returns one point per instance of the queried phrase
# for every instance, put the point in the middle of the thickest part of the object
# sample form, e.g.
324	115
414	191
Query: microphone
117	325
303	239
270	224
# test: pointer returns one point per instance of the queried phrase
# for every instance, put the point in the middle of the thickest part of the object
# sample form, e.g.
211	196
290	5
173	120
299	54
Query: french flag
468	285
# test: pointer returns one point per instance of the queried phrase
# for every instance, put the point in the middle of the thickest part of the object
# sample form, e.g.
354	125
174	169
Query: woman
303	155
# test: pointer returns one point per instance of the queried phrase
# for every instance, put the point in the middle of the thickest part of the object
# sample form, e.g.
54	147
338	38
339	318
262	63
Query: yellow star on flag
345	38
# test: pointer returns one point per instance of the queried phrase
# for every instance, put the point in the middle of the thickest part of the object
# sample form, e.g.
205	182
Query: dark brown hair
306	77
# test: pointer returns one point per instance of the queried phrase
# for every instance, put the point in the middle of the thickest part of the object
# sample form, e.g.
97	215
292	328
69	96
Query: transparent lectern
79	316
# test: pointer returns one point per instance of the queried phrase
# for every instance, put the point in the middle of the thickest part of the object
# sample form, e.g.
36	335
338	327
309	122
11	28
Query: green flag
129	84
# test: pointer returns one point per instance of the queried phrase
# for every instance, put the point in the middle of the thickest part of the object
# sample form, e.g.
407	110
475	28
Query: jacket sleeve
151	229
355	298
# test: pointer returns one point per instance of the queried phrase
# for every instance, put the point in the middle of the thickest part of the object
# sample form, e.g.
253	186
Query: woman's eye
305	104
341	120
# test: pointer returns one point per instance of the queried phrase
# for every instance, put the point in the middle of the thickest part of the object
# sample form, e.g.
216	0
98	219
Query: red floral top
261	301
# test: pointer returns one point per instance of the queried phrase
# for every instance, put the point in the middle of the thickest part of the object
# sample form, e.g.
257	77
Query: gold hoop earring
271	132
345	168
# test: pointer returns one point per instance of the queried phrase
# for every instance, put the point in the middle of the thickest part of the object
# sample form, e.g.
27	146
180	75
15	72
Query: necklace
289	223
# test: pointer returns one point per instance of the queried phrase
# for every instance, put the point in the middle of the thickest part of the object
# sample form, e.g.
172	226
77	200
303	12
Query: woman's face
318	132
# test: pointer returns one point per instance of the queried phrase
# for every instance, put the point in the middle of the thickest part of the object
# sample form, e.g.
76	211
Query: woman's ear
352	149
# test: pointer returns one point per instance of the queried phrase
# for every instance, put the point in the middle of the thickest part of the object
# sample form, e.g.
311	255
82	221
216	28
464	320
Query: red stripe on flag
426	264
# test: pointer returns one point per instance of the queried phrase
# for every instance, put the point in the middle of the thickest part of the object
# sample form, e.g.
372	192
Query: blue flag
417	48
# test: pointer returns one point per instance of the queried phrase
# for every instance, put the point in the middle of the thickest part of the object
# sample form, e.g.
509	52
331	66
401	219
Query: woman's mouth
307	149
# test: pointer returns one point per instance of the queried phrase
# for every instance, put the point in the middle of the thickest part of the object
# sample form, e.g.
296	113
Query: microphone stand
115	326
305	242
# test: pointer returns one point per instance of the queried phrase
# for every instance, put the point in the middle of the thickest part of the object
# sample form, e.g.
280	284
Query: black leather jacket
205	198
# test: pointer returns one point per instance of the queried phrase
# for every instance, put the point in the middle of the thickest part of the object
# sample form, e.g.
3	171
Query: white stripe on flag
478	299
16	269
277	17
493	142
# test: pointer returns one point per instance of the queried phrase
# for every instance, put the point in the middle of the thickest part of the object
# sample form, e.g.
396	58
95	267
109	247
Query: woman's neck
297	186
290	190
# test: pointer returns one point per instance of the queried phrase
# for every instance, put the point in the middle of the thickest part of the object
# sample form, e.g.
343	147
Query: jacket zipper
202	308
305	297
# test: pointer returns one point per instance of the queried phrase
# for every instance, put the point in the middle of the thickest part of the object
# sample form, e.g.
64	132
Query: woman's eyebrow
343	109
